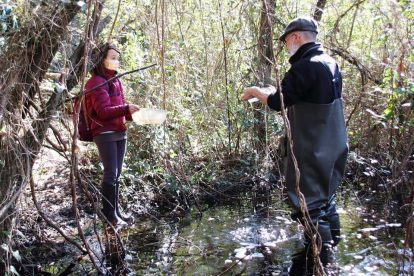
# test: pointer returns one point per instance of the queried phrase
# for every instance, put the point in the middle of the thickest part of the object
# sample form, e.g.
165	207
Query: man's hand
260	93
250	93
132	108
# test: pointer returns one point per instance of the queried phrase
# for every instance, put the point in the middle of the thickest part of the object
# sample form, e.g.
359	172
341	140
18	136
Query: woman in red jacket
108	111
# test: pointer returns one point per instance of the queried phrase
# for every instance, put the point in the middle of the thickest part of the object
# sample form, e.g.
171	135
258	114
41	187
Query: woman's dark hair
100	54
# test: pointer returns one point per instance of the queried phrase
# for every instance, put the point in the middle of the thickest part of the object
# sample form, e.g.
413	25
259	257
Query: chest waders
321	148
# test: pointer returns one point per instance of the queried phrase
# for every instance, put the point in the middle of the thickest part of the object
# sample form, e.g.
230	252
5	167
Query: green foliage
207	53
204	112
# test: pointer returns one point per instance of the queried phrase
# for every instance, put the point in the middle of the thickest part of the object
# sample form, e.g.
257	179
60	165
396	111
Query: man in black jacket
312	94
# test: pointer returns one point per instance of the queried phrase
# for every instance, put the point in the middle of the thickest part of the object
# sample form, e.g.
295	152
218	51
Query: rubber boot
333	218
303	261
108	204
327	257
121	216
324	229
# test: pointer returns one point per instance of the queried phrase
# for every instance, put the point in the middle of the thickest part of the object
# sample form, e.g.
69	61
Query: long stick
84	92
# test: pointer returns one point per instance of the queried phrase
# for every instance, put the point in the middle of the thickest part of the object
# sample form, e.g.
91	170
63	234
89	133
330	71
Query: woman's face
111	61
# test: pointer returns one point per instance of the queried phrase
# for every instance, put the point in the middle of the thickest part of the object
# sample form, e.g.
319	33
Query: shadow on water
247	240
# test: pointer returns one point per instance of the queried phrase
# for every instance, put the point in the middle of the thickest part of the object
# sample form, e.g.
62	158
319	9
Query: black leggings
112	156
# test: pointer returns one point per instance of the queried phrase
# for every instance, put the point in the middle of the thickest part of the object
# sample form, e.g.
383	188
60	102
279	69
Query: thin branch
225	77
356	4
74	160
115	19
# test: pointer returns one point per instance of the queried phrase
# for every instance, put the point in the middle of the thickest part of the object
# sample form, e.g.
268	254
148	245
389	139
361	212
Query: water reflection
228	240
223	238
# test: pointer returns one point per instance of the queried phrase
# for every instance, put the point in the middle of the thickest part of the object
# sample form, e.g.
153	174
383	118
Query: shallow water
237	239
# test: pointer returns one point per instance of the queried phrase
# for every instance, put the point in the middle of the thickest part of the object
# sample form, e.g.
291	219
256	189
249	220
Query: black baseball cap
300	24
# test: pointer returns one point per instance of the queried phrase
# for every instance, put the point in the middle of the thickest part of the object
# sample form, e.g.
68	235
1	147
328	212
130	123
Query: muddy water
242	239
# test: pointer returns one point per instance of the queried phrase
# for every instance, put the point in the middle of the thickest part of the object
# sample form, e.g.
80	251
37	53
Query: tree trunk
320	6
15	170
29	54
264	70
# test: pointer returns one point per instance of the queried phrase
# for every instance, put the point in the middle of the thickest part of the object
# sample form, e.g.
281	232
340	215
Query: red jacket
106	106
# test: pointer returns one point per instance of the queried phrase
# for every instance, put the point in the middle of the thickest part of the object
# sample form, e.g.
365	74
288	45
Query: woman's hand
132	108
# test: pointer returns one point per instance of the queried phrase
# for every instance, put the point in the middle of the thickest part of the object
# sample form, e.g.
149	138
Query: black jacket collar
310	48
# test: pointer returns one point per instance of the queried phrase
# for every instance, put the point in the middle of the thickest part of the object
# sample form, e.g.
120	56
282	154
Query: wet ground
243	240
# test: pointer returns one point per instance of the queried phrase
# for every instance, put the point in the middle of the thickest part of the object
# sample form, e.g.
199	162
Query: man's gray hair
310	36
